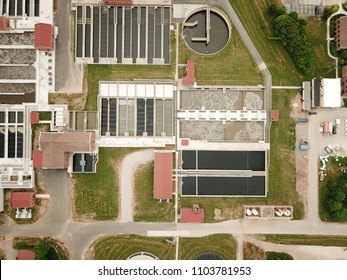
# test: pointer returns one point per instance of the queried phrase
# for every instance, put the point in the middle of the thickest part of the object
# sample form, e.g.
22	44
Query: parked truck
303	120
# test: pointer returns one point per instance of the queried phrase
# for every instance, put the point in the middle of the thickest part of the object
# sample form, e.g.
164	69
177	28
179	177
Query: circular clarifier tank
206	31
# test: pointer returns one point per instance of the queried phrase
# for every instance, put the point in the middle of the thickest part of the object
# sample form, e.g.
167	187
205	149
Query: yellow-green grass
148	209
254	17
122	246
253	252
323	65
302	239
232	66
222	244
96	194
106	72
282	171
282	174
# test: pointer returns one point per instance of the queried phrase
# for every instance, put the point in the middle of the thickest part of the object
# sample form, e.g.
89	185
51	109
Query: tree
296	39
281	10
41	250
340	215
333	205
337	194
272	10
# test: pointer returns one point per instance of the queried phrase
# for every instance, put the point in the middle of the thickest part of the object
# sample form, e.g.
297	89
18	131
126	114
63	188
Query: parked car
312	113
334	129
346	123
343	170
303	120
346	130
338	122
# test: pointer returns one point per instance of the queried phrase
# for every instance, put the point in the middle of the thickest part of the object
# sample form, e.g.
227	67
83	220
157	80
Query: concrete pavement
68	74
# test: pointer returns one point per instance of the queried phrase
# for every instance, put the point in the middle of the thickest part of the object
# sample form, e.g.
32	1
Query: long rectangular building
123	34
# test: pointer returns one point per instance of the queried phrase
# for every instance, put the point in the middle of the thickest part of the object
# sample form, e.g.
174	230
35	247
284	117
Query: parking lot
307	162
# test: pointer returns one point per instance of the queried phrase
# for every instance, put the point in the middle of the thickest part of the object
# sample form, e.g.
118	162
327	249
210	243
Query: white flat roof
331	93
162	90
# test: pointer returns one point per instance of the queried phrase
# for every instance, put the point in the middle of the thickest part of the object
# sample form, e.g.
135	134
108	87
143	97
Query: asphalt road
67	74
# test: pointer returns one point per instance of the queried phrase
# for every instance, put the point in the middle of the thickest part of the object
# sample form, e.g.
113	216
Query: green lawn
253	14
148	209
302	239
282	174
96	195
122	246
232	66
222	244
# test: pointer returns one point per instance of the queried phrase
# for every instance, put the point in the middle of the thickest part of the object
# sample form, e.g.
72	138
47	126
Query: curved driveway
128	167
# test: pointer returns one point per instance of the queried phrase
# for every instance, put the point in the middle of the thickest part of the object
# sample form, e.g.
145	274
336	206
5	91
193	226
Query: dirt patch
217	215
296	105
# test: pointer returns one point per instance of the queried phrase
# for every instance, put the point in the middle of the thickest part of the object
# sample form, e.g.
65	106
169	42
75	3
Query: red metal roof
188	216
4	23
44	37
34	117
26	254
189	80
275	114
185	142
22	199
37	159
163	175
125	2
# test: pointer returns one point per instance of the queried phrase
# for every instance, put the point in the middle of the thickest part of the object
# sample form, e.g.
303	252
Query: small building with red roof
189	80
22	200
192	215
44	37
4	23
163	175
37	159
26	254
34	117
275	115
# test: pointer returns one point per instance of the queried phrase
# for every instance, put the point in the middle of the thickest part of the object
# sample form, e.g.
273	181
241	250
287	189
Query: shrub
278	256
333	205
340	215
337	194
334	8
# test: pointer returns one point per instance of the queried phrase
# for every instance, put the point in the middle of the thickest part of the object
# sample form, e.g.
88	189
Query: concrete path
128	167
